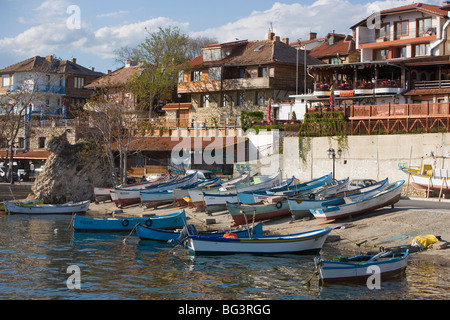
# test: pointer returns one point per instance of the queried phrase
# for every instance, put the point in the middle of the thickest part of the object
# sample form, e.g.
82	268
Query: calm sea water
35	253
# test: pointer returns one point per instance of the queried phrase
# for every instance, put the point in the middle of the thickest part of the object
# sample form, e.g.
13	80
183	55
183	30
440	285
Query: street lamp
332	155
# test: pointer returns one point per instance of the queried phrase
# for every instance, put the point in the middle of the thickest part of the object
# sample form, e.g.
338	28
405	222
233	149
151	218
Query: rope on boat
129	235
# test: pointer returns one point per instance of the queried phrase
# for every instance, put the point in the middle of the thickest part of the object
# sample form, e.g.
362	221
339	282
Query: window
243	73
205	101
399	52
383	32
423	26
241	99
78	83
421	50
227	100
400	29
6	80
381	54
41	142
197	76
262	72
21	143
260	99
335	60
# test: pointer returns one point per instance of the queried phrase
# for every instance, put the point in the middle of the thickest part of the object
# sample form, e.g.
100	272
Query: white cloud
48	32
111	14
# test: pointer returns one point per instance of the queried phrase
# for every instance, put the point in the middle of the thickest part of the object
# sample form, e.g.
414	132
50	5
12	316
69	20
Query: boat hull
257	212
155	199
88	224
153	234
332	271
301	243
386	197
432	183
43	209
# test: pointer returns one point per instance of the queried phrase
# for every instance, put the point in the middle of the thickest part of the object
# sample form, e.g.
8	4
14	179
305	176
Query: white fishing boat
300	206
305	242
216	200
104	194
66	208
124	197
425	178
360	267
362	202
196	195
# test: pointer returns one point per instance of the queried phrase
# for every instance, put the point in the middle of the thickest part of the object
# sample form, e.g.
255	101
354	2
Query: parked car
4	176
202	174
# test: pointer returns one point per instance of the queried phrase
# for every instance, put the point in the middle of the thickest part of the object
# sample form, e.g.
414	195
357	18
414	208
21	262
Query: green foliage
247	117
159	54
322	124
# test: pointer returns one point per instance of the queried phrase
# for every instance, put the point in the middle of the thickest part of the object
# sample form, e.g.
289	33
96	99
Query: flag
42	112
29	113
332	98
64	111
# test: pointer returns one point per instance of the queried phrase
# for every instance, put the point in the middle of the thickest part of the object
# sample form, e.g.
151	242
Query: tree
15	109
159	54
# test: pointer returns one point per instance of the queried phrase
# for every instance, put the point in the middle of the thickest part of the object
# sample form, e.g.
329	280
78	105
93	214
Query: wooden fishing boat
428	179
66	208
168	221
319	186
196	195
271	208
125	197
300	206
104	194
25	203
216	200
361	267
249	196
180	194
362	202
305	242
177	236
153	199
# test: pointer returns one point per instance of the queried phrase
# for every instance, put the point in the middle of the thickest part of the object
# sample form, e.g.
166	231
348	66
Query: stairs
19	191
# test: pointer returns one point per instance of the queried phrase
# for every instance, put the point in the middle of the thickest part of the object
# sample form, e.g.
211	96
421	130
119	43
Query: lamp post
332	155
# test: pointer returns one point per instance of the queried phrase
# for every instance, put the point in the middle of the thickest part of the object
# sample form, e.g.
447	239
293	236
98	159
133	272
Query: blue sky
39	27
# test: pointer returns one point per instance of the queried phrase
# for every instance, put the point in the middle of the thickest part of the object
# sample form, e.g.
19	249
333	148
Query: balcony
225	85
38	88
437	84
360	87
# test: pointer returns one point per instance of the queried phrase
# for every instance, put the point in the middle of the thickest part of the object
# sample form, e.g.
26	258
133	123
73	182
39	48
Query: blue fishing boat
300	206
177	236
168	221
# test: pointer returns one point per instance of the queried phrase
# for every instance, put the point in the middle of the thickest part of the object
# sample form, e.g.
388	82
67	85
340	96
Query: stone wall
375	157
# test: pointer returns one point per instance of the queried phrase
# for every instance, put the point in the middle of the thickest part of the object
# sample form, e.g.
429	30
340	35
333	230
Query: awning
30	155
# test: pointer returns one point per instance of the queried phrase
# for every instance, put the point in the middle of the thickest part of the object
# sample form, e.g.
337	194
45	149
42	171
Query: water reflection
36	251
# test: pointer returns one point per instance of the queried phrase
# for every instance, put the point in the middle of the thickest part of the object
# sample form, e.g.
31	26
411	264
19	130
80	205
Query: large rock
70	172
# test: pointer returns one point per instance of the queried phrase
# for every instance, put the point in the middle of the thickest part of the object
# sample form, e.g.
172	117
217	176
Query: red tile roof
116	78
33	154
342	45
49	64
255	53
421	7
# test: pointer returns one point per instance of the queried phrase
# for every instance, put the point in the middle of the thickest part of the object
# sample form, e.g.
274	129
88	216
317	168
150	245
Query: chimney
49	58
91	68
312	36
271	36
108	71
277	39
74	60
286	40
127	63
